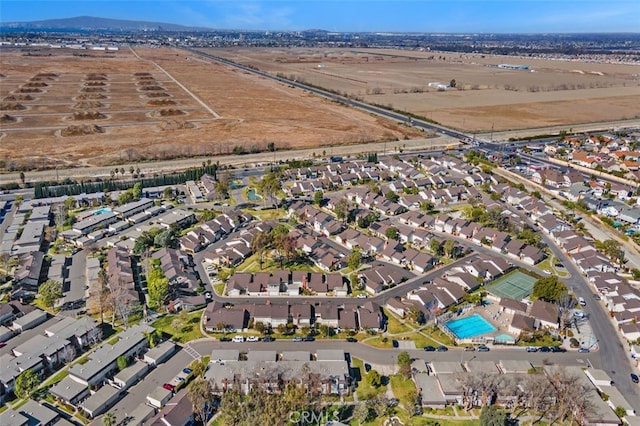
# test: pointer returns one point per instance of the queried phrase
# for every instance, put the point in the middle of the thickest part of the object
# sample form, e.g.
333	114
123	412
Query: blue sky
524	16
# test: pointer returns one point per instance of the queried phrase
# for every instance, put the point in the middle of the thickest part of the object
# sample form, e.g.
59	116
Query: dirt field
549	93
54	98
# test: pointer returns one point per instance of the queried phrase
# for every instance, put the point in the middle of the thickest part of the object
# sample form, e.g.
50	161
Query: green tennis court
515	285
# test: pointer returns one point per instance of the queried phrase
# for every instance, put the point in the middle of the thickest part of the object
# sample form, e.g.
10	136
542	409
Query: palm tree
109	419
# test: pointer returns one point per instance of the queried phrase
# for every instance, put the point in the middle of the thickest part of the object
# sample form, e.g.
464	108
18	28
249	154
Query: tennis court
515	285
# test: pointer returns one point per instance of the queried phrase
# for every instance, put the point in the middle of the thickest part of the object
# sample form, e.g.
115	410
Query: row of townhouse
213	230
324	256
236	246
86	387
63	339
445	383
621	299
120	275
27	275
351	316
282	282
326	372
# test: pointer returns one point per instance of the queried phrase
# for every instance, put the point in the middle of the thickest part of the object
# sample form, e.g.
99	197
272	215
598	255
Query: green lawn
404	389
548	263
395	325
266	214
187	331
219	289
57	377
364	391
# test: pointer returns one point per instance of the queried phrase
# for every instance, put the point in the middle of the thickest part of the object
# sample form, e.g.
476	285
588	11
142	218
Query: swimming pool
468	327
102	211
252	195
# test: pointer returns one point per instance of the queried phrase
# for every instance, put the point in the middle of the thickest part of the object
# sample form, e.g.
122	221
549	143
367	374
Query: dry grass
253	111
556	92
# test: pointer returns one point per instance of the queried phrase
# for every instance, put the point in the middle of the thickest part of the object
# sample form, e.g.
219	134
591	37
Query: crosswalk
192	352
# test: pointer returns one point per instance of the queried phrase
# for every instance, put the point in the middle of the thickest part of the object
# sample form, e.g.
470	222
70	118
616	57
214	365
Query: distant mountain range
90	23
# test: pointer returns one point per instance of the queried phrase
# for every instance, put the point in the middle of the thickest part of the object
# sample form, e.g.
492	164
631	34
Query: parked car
268	339
583	350
544	349
483	348
558	349
469	348
168	386
253	339
429	348
297	339
362	296
225	339
309	339
351	339
532	349
596	296
634	378
442	348
238	339
581	301
186	371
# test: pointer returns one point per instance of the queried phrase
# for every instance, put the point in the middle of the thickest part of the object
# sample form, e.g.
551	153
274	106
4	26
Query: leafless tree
124	303
99	295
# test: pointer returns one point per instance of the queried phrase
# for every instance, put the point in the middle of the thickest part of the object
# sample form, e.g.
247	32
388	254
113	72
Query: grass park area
266	214
364	391
181	329
549	265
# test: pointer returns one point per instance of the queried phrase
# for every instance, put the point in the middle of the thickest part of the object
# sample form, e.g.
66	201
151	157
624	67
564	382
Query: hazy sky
527	16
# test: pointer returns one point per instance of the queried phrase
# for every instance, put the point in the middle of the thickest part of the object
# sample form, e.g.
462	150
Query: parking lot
163	373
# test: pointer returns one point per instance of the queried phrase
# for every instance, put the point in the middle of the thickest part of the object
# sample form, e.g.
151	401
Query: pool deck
494	315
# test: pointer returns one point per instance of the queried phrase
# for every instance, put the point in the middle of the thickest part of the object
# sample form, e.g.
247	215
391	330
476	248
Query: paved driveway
137	394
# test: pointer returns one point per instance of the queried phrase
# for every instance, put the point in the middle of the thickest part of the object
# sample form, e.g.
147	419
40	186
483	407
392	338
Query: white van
238	339
581	301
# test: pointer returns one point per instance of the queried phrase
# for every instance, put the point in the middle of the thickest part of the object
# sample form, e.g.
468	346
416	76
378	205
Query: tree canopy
50	291
549	288
492	416
26	383
157	286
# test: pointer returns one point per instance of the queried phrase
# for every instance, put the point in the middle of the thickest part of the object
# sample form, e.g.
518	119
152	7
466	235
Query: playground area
515	285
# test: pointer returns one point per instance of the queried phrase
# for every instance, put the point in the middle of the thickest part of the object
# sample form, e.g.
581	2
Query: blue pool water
468	327
102	211
252	196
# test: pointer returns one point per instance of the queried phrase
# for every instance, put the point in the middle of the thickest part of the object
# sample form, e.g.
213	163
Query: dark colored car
558	349
544	349
186	371
268	339
483	348
225	339
309	339
429	348
634	378
352	339
442	348
469	348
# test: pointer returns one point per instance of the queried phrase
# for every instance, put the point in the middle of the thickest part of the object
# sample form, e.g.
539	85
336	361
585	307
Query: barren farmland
60	108
548	93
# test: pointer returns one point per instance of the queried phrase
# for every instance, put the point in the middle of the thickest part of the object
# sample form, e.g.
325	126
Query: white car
253	339
238	339
361	296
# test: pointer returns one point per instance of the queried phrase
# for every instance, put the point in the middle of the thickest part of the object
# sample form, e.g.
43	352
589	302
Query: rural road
248	160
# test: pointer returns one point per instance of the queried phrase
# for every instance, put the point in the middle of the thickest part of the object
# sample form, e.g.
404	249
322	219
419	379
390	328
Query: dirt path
197	99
